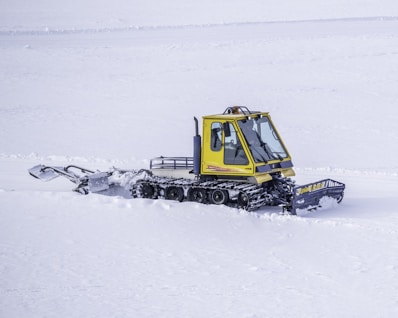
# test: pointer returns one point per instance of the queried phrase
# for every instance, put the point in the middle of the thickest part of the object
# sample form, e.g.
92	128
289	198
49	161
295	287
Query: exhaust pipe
197	149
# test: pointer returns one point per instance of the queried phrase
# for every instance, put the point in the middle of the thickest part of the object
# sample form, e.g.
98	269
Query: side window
234	153
216	142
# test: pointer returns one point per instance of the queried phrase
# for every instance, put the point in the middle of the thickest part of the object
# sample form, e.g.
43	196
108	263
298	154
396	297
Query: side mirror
227	131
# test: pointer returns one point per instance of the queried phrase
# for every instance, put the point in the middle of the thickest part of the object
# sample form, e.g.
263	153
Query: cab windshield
262	139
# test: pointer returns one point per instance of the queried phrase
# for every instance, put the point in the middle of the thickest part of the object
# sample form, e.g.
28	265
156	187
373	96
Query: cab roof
236	112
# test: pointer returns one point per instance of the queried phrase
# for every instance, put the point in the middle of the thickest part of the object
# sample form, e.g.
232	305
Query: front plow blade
44	173
308	196
76	174
86	180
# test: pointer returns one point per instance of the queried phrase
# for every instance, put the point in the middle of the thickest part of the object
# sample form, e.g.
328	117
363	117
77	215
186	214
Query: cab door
223	152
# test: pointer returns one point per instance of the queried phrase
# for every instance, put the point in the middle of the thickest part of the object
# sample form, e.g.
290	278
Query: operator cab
241	144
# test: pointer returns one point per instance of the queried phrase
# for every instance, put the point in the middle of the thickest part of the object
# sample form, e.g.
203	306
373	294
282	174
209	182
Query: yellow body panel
288	172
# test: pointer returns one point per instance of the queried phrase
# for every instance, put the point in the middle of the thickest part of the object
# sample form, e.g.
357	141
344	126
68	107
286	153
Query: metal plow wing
86	180
308	196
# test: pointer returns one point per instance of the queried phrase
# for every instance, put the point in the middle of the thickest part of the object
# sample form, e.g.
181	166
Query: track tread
257	196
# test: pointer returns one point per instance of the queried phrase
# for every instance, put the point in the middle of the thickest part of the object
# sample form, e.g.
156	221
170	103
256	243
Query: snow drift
115	84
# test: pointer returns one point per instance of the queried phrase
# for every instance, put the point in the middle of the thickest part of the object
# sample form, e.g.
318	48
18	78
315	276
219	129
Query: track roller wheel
243	200
174	193
219	196
147	191
197	195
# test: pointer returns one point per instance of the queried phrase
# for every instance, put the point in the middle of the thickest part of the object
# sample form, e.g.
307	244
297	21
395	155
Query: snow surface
103	84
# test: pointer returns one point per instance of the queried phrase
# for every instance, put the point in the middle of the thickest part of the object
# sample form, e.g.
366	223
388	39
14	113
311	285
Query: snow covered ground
103	84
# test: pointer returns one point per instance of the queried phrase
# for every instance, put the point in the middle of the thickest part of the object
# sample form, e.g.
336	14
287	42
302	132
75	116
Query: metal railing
172	163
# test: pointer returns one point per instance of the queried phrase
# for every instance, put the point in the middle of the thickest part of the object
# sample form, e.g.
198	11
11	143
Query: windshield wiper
253	149
267	150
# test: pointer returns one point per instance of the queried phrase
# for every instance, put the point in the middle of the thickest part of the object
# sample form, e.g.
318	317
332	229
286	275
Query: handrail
237	110
171	163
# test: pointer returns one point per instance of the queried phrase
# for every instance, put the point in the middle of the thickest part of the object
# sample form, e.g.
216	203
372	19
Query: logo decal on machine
223	169
311	188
